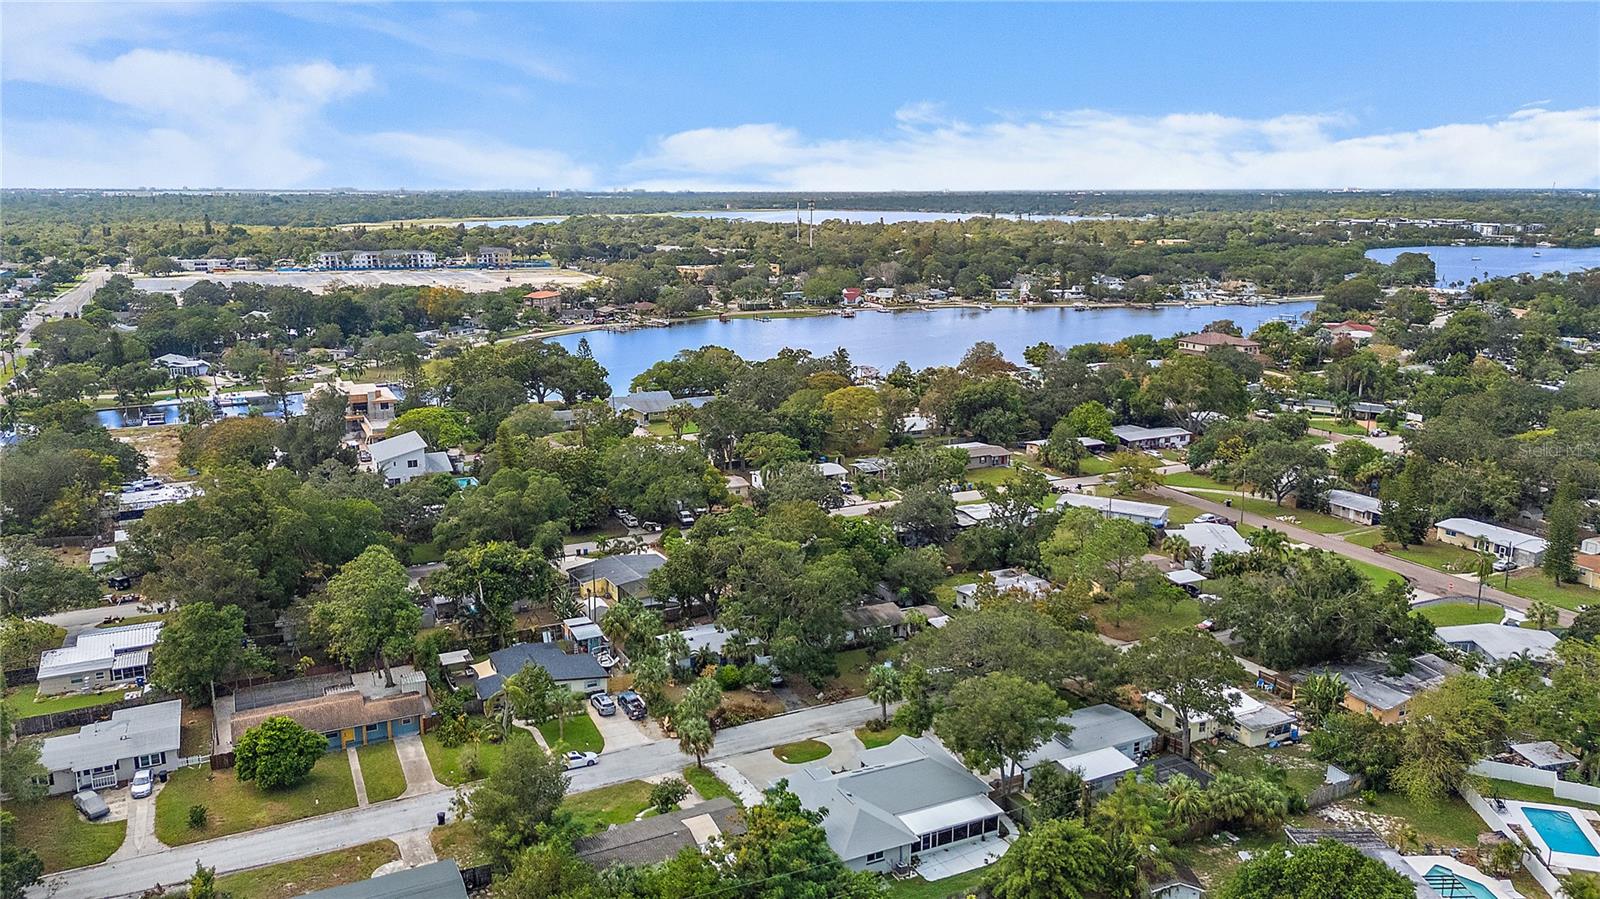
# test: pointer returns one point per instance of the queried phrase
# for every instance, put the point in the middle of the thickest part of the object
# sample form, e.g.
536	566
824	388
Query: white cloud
1090	149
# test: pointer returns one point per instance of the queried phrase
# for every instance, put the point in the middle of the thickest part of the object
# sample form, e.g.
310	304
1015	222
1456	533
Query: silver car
90	804
144	783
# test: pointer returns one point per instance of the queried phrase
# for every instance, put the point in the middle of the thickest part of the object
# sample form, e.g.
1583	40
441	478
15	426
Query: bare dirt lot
471	280
159	446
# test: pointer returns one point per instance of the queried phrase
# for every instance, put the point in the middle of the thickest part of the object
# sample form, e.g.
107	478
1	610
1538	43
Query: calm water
921	338
785	217
231	406
1457	263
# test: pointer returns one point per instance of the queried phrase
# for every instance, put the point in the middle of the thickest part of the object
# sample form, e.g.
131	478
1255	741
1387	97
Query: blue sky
856	96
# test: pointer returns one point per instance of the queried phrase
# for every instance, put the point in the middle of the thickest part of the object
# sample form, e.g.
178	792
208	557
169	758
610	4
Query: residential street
382	820
72	301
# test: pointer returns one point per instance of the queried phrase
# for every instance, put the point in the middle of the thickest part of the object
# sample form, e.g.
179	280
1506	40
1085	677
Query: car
1207	518
143	783
632	705
652	526
605	658
628	518
90	804
846	487
577	760
1503	565
686	518
604	704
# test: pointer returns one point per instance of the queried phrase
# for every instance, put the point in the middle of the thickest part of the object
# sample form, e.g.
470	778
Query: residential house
1147	439
1351	330
406	457
1085	738
368	407
650	841
1588	565
1352	506
577	671
1371	690
1255	723
704	639
100	659
871	466
907	798
652	405
492	257
1150	514
103	754
916	425
1004	580
133	500
738	487
599	583
974	514
546	301
583	634
863	621
102	557
435	880
1205	341
1500	643
1210	539
1513	546
347	709
183	366
984	455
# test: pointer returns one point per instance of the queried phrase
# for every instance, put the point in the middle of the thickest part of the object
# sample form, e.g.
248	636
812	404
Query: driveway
617	730
141	839
414	763
763	769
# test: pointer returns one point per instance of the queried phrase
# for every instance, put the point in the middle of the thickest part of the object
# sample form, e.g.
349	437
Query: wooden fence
43	724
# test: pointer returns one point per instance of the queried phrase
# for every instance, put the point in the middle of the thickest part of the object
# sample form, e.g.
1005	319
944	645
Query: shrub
734	712
729	677
1369	797
198	816
278	753
665	795
468	762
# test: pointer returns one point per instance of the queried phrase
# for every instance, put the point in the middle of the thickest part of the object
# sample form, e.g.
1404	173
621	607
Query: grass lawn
1450	822
664	429
981	476
423	553
53	828
319	872
852	677
581	734
1338	427
1299	770
1378	576
460	842
1188	480
1535	585
707	784
872	739
194	735
1304	518
945	593
25	701
1140	621
801	752
381	771
1448	613
1091	465
134	619
1438	556
235	806
961	885
448	762
1505	789
617	804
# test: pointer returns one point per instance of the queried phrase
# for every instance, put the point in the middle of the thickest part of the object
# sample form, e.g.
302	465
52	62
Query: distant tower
811	233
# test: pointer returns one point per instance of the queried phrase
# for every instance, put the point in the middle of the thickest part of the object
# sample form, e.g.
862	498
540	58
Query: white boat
1079	307
1190	306
1476	258
986	307
1537	254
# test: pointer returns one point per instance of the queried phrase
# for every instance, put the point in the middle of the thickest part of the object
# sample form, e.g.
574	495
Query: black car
632	705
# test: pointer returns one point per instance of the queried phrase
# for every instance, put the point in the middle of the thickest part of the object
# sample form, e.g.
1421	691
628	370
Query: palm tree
1319	695
675	646
564	704
1179	548
506	701
1186	801
1542	614
1269	543
883	687
695	737
1483	567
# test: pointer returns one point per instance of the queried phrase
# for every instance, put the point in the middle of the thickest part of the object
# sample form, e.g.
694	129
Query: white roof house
102	754
401	458
97	649
1524	549
1498	642
1211	539
1005	579
1136	435
1099	767
1111	507
1349	499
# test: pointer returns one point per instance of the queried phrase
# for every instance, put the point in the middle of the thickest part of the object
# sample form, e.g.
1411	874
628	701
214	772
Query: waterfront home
1351	330
1513	546
406	457
1352	506
652	405
133	500
100	659
103	754
546	301
179	365
1143	513
368	408
1205	341
1145	439
908	798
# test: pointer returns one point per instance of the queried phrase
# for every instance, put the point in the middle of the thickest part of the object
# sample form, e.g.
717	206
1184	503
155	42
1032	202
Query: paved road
383	820
72	301
1425	579
79	620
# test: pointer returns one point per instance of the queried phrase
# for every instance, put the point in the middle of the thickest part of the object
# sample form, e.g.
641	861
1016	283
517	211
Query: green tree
695	737
1319	696
1193	673
1561	530
1327	870
366	611
199	646
1447	730
1133	472
665	796
995	720
1092	419
487	580
440	427
883	687
549	869
23	639
1057	792
20	867
1405	504
34	582
277	753
22	778
203	884
515	804
1059	859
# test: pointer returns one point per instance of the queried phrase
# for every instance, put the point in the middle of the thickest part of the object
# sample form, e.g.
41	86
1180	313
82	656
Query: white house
1087	741
106	753
907	798
99	660
1143	513
1255	723
403	458
202	265
1210	539
177	364
1352	506
1500	643
1141	438
1004	579
1513	546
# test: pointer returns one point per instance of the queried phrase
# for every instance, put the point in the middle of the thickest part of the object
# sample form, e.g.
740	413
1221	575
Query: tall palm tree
1187	802
506	701
675	646
1542	614
1269	543
1319	695
1483	567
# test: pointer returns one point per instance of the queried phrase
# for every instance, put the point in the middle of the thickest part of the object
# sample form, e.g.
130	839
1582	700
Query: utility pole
811	233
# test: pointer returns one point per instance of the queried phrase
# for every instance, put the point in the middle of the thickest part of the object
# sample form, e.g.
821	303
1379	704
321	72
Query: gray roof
1092	728
1349	499
1544	754
1495	534
1499	642
622	571
1136	433
654	402
97	649
654	840
439	880
1370	681
141	730
394	447
562	666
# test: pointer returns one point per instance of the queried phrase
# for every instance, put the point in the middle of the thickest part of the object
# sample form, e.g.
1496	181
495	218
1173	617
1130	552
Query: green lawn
134	619
1139	621
235	806
448	762
1333	424
1194	480
1505	789
664	429
872	739
945	593
53	828
1535	585
707	784
581	734
960	886
617	804
25	701
1449	613
459	840
801	752
1091	465
1299	770
1438	556
381	771
1450	822
1304	518
981	476
1378	576
319	872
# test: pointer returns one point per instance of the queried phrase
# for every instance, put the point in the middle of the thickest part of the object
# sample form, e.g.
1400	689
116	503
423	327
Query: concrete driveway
763	769
415	765
617	730
141	814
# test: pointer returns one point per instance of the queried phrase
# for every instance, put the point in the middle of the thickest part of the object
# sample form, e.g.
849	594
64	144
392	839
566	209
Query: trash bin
1228	503
440	817
162	775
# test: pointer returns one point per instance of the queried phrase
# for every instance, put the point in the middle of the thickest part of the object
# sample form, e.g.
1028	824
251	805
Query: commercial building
99	660
492	257
106	753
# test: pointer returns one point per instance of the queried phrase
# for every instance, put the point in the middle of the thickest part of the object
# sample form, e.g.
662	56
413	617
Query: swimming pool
1559	830
1441	878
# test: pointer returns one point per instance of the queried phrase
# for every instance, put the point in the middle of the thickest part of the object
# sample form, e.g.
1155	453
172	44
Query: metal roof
439	880
1349	499
1136	433
1112	506
1097	764
1495	534
141	730
97	649
394	447
1499	642
1212	538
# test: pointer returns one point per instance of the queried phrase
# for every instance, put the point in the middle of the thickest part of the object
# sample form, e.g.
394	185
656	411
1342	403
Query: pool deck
1502	889
1514	815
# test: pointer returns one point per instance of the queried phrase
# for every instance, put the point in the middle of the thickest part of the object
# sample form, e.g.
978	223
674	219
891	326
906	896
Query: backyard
450	763
1139	620
319	872
25	700
1300	772
960	886
381	771
1445	614
233	806
53	828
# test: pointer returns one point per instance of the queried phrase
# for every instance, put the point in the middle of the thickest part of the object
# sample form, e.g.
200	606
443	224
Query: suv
604	704
632	705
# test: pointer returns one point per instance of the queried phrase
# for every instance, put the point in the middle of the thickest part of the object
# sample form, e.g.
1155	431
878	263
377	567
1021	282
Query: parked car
90	804
143	783
604	704
1503	565
652	526
577	760
119	582
605	658
1380	433
1207	518
686	518
632	705
628	518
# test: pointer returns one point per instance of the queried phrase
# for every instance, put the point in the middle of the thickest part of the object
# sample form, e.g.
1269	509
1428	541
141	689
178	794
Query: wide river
1462	264
921	338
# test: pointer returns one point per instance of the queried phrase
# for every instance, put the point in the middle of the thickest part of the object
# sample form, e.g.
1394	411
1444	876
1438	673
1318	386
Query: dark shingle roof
562	666
440	880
